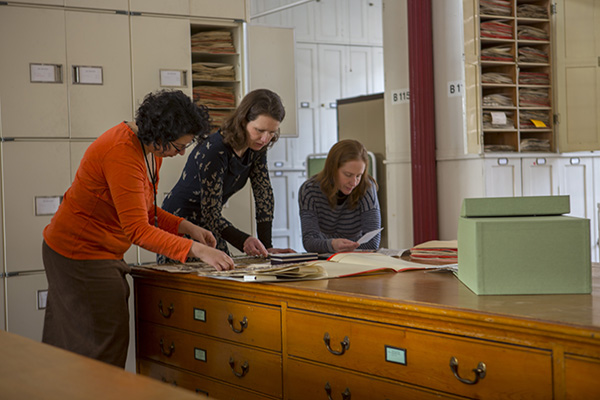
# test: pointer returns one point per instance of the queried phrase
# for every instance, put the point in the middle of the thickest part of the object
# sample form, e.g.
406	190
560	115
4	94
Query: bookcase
216	68
514	59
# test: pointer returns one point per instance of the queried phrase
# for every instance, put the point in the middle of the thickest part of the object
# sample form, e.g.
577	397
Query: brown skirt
87	310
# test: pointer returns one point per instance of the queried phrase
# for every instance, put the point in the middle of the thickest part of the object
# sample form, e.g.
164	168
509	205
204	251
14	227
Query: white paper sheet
368	236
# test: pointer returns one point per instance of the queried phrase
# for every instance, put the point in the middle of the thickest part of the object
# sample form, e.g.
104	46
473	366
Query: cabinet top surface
439	294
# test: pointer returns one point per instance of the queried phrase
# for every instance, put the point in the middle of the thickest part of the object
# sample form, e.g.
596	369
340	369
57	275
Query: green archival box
523	245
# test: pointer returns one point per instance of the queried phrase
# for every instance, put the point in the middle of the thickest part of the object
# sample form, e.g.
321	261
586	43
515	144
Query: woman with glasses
111	205
339	204
221	165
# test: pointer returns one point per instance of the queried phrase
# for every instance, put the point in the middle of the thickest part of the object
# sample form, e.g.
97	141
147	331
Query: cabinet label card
498	118
47	205
87	75
200	354
395	355
173	78
200	314
455	88
401	96
45	73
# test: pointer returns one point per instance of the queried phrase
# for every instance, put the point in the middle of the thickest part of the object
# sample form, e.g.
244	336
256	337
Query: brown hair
256	103
342	152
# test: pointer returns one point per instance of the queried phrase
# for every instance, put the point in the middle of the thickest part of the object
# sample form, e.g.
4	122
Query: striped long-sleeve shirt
321	224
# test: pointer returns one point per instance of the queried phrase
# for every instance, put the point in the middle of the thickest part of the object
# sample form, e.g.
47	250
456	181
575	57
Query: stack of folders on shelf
287	258
436	250
495	7
220	41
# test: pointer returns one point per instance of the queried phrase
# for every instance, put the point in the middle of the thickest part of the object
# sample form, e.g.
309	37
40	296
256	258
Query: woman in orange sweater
110	205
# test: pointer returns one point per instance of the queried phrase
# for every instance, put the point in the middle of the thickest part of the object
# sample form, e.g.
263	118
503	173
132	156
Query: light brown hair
342	152
256	103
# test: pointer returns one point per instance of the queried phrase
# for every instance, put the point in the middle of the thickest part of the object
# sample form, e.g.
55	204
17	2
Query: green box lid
515	206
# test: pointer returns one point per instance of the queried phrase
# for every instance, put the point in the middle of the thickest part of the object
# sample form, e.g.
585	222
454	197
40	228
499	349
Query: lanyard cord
152	173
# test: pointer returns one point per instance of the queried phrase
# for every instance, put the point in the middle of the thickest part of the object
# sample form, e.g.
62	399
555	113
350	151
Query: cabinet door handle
243	324
160	309
344	343
479	372
346	395
245	367
171	348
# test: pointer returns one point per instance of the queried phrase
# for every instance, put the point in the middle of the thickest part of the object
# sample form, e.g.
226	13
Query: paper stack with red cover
436	250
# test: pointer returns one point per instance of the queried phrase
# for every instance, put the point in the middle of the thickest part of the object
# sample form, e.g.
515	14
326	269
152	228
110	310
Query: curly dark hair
256	103
166	115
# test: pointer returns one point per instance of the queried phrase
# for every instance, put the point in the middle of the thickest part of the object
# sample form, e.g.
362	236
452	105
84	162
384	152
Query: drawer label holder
200	314
395	355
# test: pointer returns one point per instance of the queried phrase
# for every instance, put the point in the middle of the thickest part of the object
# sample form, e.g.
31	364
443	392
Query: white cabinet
36	175
576	179
175	7
24	315
286	222
276	73
99	71
64	68
502	177
159	45
540	176
33	105
120	5
233	9
330	21
307	70
578	74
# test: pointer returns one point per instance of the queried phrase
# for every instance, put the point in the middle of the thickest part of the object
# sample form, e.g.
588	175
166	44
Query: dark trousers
87	311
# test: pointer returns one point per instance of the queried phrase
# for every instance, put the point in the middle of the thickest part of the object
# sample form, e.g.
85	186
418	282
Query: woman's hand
213	257
254	247
343	245
204	236
197	233
274	250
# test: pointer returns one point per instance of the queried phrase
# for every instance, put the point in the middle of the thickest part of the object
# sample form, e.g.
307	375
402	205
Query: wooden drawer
239	365
311	381
420	357
199	384
248	323
581	377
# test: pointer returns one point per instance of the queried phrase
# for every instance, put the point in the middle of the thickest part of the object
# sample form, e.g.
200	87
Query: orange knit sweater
109	206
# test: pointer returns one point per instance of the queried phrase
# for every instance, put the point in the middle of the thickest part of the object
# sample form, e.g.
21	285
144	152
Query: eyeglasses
180	149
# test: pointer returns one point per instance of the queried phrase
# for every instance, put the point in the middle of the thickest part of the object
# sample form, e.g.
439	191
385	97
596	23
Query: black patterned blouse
212	174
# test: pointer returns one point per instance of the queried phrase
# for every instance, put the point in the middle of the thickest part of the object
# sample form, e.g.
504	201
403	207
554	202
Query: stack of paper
213	42
436	250
286	258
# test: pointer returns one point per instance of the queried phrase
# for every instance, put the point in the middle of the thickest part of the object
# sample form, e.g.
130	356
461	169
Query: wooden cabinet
233	342
420	358
577	372
405	335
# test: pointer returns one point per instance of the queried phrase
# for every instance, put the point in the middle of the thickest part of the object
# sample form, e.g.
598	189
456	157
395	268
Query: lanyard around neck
152	173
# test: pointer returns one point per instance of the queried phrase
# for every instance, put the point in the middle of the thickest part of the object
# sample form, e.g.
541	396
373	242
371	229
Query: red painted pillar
422	129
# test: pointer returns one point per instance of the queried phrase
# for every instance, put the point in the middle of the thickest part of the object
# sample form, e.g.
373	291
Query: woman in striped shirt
339	204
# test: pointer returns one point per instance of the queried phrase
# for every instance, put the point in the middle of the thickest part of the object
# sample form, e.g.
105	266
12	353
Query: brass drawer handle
479	372
243	324
346	395
344	343
245	368
160	308
171	348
